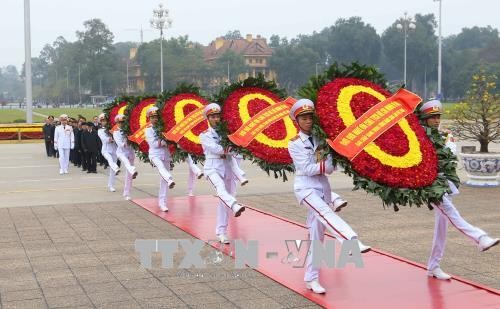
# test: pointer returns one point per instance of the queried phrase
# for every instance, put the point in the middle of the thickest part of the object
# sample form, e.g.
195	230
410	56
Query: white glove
328	165
452	146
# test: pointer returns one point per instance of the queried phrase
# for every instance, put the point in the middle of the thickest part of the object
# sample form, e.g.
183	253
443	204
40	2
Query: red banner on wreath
260	121
139	136
374	122
185	125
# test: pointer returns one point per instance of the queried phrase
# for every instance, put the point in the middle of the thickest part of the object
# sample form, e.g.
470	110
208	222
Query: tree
11	86
236	63
232	35
479	118
464	53
96	43
293	63
475	37
421	59
352	40
183	62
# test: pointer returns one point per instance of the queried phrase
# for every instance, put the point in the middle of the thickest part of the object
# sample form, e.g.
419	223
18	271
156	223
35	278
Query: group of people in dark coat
87	144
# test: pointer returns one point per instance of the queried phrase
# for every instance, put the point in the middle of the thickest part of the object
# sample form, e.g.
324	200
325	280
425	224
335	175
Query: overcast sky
203	20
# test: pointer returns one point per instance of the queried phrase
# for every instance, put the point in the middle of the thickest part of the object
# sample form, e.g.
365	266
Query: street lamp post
67	86
128	88
161	21
440	38
27	62
79	87
406	24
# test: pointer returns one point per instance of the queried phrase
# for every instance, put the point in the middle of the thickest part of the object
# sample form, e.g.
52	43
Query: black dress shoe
89	172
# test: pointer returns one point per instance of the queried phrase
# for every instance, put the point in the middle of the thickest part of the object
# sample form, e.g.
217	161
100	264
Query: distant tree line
95	65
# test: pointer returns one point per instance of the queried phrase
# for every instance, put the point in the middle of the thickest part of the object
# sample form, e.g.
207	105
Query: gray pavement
67	241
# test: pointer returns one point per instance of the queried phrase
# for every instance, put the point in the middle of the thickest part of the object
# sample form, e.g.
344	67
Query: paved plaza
68	242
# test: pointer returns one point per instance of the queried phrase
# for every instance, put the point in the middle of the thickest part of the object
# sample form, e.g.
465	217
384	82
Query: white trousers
64	159
194	172
162	166
225	188
445	212
238	173
127	160
111	158
319	218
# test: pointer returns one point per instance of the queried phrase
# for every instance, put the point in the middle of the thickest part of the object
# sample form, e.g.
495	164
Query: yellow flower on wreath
179	115
291	130
414	155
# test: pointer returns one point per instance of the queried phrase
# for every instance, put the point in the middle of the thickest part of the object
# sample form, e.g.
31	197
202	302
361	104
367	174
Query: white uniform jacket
124	148
216	160
157	146
108	144
64	137
309	171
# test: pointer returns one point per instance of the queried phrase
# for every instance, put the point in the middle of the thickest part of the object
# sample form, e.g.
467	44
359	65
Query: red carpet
386	281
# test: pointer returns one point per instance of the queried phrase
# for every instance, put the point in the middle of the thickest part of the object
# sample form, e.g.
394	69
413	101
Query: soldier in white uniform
430	115
108	151
159	157
219	171
312	189
64	141
194	172
126	154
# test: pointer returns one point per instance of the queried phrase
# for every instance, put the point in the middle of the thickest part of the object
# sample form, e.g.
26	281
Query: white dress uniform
194	172
160	157
108	151
446	211
312	189
64	141
218	170
126	154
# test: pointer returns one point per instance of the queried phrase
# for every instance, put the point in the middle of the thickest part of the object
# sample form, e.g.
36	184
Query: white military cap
302	106
430	108
212	108
101	116
152	111
63	116
119	117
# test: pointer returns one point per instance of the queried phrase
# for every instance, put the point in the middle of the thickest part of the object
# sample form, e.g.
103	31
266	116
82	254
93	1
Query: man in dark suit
55	153
47	134
78	136
90	144
85	164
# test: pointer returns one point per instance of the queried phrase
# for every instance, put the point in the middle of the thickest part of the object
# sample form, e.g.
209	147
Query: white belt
215	157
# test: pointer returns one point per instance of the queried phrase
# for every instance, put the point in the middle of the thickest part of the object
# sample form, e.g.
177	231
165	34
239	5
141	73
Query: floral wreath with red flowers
401	166
242	100
135	113
118	106
174	106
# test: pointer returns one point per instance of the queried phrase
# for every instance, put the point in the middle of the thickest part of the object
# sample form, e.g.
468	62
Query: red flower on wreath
403	156
117	109
138	119
176	109
272	144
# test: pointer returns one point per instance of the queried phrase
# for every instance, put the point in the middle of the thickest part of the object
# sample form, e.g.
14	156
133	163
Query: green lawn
9	115
71	112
